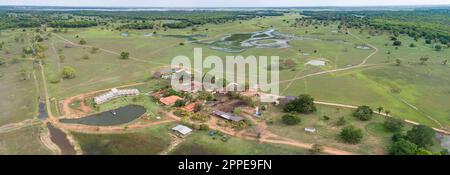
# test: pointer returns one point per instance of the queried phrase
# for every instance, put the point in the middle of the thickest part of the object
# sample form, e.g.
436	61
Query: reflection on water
117	116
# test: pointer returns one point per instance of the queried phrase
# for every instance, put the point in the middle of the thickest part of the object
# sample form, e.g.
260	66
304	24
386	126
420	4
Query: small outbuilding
170	100
310	130
228	116
182	130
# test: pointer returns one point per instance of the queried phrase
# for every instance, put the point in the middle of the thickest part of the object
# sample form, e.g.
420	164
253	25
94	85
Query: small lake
117	116
60	139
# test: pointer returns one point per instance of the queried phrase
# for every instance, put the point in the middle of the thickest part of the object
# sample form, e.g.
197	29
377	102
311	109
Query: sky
220	3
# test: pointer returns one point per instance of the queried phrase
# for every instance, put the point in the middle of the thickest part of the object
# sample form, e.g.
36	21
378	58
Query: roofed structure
228	116
170	100
115	93
182	130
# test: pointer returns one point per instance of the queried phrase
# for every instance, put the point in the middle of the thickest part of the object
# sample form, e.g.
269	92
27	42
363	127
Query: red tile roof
190	107
170	100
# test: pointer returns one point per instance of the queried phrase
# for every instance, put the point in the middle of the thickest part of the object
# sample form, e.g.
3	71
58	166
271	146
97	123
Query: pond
42	112
316	63
113	117
238	42
60	139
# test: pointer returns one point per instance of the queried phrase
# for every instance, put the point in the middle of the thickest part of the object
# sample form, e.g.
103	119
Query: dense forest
431	24
131	19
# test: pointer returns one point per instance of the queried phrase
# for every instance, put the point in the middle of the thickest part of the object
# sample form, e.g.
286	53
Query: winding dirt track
265	138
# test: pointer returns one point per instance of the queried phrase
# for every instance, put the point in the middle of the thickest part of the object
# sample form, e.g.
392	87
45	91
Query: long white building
115	93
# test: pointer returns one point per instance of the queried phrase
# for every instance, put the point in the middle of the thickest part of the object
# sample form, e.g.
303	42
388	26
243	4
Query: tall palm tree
387	112
379	109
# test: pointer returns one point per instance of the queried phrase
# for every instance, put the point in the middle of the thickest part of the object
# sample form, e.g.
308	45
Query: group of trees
429	24
72	24
303	104
415	142
138	26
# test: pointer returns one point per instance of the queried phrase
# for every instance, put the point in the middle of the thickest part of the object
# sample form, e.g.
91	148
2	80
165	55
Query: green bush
403	147
303	104
351	135
393	124
363	113
289	119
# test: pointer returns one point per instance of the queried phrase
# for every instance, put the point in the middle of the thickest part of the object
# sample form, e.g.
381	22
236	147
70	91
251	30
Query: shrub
289	119
124	55
351	135
393	124
180	103
397	43
341	121
204	127
403	147
421	135
68	72
363	113
303	104
83	42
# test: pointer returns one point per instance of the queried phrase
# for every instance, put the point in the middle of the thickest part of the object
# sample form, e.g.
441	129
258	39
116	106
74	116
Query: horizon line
409	5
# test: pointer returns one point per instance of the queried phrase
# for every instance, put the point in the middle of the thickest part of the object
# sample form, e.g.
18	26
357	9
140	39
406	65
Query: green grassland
147	141
19	96
375	139
22	141
410	91
200	143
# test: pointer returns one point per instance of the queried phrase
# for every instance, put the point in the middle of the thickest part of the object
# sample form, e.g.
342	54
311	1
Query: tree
341	121
83	42
397	43
421	135
412	45
179	103
198	107
124	55
403	147
423	151
438	47
303	104
351	135
393	124
94	50
444	62
237	111
68	72
398	62
380	109
423	60
387	112
289	119
85	57
363	113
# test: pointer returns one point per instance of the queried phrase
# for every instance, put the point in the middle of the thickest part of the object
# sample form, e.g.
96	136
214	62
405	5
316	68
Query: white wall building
115	93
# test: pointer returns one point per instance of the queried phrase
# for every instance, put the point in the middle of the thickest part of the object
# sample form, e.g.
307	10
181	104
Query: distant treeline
72	24
134	19
430	24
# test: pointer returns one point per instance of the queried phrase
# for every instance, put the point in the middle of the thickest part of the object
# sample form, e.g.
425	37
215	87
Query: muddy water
60	139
